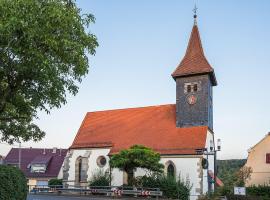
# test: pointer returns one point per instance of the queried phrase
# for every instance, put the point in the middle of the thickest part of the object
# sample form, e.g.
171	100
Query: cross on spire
195	14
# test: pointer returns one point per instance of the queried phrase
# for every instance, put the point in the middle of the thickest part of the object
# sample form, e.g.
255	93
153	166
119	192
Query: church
181	132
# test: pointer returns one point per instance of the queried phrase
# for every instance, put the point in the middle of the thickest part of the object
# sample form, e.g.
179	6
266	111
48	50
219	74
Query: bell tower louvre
195	79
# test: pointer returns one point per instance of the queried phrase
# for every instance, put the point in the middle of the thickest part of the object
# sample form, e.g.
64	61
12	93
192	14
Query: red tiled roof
29	155
153	126
194	61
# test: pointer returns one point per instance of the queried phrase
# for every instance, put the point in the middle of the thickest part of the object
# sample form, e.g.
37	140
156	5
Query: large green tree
137	156
43	56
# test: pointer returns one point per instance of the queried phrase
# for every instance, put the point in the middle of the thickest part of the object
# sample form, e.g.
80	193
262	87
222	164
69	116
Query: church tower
195	79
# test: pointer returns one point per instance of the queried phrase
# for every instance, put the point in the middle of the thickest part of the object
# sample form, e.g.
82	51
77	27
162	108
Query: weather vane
195	14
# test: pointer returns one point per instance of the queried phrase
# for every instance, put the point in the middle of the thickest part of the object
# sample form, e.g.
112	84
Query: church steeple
194	81
194	61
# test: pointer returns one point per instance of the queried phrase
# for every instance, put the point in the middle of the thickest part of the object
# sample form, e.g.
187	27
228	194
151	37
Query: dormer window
40	163
38	168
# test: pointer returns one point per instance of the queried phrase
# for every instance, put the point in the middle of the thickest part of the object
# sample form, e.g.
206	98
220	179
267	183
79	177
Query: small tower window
189	88
195	88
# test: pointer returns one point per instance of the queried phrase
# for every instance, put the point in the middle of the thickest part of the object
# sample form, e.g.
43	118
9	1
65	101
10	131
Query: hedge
238	197
13	184
172	187
55	182
99	178
260	190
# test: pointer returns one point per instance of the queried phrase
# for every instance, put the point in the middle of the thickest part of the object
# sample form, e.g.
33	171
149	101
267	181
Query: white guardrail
114	191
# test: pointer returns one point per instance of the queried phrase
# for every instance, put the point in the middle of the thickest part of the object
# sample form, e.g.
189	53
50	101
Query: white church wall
60	174
188	169
93	155
117	177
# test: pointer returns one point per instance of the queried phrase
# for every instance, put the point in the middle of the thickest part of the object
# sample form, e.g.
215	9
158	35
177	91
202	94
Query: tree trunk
130	176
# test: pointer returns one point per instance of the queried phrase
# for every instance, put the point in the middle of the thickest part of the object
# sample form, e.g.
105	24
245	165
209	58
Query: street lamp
213	151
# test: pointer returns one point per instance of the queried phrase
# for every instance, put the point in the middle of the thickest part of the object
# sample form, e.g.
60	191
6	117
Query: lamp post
213	151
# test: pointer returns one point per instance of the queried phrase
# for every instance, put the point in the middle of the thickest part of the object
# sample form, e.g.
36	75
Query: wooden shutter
268	158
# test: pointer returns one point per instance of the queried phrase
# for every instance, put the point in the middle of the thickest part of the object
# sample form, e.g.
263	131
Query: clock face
191	99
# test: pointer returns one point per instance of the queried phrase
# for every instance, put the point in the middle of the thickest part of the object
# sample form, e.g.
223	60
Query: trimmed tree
137	156
13	184
43	55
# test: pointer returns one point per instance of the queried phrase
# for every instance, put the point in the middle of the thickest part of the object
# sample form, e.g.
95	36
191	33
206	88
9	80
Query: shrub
238	197
171	187
100	178
260	190
13	184
55	182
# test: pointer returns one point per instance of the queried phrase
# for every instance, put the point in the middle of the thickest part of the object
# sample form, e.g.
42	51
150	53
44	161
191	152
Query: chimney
60	152
44	151
54	149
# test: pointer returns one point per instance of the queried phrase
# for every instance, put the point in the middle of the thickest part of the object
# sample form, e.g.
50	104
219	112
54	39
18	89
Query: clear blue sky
142	42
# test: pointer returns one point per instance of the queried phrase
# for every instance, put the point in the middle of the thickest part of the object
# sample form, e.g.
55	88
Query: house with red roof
180	132
38	165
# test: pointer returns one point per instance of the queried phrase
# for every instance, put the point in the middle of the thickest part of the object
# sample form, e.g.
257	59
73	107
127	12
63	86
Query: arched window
170	170
80	170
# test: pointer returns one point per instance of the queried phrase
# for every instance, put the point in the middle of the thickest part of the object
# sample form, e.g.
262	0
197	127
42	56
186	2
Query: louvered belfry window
268	158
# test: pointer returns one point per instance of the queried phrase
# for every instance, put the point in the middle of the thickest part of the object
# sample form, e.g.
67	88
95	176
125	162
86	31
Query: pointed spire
194	61
195	14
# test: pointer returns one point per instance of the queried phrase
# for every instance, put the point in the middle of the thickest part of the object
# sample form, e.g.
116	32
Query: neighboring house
38	165
259	161
176	131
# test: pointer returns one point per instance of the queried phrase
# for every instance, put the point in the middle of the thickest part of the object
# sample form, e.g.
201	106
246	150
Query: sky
142	42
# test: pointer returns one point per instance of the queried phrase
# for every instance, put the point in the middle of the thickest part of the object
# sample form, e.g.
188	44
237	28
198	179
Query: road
52	197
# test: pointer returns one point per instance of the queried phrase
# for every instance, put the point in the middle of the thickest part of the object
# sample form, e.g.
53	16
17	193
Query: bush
238	197
171	187
100	178
13	184
261	190
55	182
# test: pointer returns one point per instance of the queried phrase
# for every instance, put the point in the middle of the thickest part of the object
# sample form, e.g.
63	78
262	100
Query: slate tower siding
200	113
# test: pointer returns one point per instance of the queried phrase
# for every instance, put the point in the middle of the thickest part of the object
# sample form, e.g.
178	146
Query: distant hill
227	168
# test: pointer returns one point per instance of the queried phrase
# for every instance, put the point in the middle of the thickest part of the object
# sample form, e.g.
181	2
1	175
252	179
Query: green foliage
238	197
55	182
136	156
43	55
260	190
100	178
13	185
228	168
171	187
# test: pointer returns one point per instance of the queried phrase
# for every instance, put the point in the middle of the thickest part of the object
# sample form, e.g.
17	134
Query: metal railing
114	191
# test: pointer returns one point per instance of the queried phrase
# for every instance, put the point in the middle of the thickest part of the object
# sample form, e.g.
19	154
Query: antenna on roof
195	14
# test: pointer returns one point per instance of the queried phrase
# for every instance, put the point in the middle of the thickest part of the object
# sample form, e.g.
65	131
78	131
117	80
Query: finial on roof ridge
195	14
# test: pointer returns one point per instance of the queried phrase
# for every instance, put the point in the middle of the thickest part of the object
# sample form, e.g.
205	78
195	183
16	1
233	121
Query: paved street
51	197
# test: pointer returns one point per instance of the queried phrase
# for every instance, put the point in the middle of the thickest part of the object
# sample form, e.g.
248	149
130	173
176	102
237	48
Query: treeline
227	168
